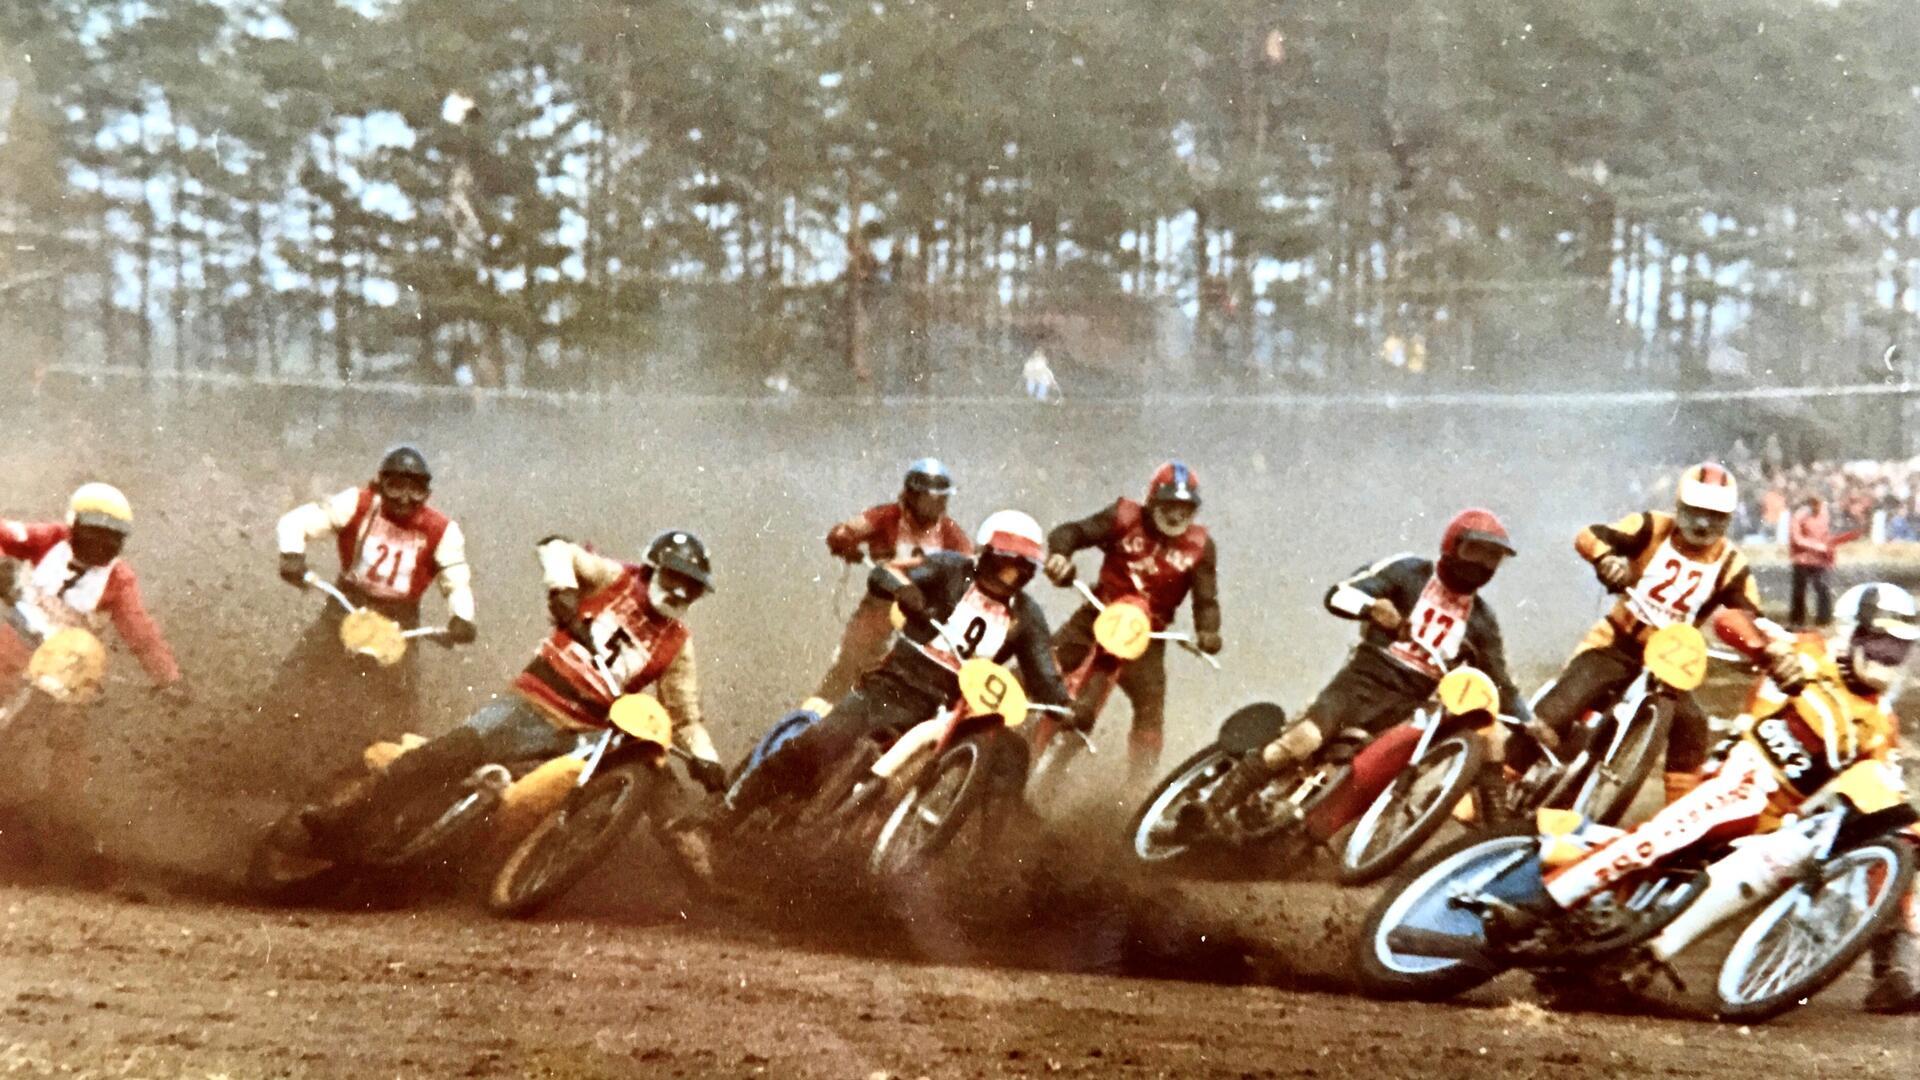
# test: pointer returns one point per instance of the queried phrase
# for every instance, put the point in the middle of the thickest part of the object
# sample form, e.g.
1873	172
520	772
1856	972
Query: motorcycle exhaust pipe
1752	872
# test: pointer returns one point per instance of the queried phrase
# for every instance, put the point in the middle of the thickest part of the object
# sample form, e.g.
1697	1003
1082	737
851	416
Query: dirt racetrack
168	975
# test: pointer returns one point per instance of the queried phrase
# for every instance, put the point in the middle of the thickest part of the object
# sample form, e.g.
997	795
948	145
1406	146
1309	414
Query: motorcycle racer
391	546
898	532
610	619
1417	617
980	608
75	576
1666	568
1155	550
1821	707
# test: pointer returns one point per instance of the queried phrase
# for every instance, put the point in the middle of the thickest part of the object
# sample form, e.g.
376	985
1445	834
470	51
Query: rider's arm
1206	593
1032	646
1627	538
1351	598
679	689
886	580
313	520
1093	530
137	628
566	565
845	538
29	539
455	576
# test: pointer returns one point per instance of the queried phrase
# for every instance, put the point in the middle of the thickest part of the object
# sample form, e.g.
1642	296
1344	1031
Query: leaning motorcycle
1817	891
1597	773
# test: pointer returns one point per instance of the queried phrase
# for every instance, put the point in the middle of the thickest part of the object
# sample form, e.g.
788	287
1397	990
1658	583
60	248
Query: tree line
1506	193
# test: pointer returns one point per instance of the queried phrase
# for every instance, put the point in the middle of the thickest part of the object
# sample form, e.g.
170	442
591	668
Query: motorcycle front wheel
573	839
1812	933
1412	808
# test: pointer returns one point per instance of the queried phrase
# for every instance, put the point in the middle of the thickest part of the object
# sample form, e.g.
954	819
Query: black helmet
683	553
405	460
928	476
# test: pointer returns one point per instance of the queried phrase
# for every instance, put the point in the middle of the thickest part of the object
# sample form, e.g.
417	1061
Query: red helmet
1174	482
1475	524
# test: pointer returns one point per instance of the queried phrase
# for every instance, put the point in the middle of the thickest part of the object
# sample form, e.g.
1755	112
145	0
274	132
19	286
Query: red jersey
60	592
888	535
387	560
1141	562
635	642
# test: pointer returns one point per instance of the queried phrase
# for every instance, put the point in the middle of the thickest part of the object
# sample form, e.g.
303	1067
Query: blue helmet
929	476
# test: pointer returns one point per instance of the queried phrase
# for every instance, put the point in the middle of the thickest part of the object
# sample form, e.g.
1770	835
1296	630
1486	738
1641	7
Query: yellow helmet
102	506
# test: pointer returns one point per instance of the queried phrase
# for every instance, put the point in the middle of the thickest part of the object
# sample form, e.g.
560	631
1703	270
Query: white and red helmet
1708	486
1013	534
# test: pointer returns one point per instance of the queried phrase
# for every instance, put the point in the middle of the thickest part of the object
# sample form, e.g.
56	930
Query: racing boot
1896	975
1212	814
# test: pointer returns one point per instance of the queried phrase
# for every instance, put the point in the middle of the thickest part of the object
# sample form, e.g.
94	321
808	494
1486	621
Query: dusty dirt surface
164	972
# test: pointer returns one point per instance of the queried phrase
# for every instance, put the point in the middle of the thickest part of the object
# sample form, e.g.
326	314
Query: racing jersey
1138	561
1437	625
889	533
975	624
627	647
382	559
57	591
1813	736
1669	584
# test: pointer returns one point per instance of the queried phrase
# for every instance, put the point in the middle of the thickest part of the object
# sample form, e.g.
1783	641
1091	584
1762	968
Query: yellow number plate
1677	656
68	666
1122	630
989	688
1468	690
369	633
643	717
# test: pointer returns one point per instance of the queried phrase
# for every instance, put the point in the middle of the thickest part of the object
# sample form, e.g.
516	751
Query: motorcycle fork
1045	727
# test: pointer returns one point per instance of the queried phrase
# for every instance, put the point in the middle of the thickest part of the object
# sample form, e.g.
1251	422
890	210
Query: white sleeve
310	521
566	565
455	577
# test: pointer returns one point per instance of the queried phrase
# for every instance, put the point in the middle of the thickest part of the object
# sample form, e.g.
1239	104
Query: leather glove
293	569
842	543
708	774
563	606
1787	671
1384	615
913	602
1613	571
1059	569
1208	641
458	632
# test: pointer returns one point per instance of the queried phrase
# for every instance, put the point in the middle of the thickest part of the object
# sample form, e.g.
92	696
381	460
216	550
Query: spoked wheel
1158	832
1612	781
1411	809
928	816
1812	933
572	840
1418	942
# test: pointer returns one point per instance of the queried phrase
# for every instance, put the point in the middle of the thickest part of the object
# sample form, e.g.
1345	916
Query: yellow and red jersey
1813	736
1670	583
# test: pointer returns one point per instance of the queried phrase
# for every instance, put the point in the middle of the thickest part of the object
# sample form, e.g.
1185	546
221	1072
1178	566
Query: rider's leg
1896	963
1144	681
507	728
881	702
862	645
1688	741
1590	676
1351	693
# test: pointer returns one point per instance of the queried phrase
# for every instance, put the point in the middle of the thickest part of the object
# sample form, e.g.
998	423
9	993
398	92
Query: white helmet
1010	532
1881	624
1707	498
